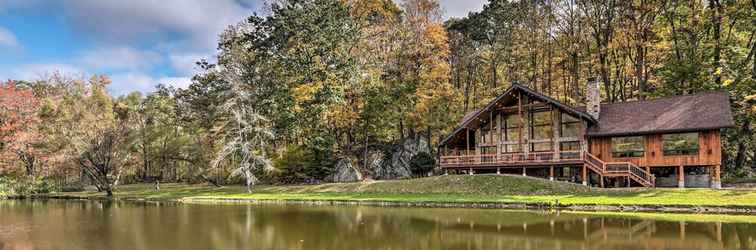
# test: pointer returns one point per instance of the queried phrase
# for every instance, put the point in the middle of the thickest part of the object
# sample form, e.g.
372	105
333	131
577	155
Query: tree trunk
740	156
716	21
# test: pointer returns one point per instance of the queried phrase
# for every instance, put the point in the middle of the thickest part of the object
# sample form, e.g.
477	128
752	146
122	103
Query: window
570	126
680	144
485	135
570	150
512	129
541	146
633	146
570	146
487	150
488	133
513	148
540	123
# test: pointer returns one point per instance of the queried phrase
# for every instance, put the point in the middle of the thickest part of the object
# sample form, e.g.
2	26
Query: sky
138	43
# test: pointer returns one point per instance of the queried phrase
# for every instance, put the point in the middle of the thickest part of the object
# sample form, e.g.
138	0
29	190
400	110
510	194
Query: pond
128	225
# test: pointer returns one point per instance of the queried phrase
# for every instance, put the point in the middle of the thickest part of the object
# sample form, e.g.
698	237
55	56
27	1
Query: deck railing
511	158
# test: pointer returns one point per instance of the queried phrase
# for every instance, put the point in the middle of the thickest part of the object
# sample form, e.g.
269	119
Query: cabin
666	142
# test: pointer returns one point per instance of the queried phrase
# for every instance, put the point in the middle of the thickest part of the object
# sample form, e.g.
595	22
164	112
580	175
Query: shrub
422	163
74	187
301	164
25	186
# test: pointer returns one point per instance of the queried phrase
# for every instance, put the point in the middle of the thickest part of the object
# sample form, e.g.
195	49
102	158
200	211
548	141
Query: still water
124	225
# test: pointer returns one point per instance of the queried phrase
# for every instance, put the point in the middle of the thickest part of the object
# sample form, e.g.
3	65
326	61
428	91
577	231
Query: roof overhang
530	93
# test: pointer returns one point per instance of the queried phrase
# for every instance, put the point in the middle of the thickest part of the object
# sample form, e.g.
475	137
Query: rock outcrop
346	172
394	161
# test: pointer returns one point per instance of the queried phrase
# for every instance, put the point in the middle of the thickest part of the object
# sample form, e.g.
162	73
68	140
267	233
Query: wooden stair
619	169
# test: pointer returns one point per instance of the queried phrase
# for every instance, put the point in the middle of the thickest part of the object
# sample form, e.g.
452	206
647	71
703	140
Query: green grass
446	189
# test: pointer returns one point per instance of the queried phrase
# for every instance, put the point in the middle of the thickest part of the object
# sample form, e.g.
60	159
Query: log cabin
665	142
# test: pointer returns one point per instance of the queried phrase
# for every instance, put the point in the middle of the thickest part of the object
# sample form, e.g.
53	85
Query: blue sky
138	43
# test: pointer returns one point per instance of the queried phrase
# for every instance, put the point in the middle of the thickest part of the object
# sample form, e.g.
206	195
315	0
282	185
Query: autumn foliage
18	108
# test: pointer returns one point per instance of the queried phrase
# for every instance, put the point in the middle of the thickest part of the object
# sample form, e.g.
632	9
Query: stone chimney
593	105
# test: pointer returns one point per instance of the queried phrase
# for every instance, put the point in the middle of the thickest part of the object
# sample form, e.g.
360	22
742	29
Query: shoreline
535	206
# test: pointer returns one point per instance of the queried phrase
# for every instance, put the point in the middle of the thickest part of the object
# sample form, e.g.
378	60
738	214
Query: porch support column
498	170
716	181
551	173
524	173
680	176
467	130
585	176
446	172
471	172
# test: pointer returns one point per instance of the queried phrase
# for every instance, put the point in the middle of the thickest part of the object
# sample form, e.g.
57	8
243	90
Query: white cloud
460	8
177	82
186	63
120	58
40	71
7	39
197	21
133	81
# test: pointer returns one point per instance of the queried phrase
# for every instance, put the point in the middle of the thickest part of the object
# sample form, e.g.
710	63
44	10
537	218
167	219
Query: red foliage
18	108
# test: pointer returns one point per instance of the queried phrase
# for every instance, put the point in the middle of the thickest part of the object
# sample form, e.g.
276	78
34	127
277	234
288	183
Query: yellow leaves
727	82
304	93
753	109
750	98
718	72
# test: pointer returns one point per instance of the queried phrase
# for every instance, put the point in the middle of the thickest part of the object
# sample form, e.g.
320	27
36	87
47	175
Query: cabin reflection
607	233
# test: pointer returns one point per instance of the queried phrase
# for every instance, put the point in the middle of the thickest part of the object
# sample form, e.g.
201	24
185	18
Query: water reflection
107	225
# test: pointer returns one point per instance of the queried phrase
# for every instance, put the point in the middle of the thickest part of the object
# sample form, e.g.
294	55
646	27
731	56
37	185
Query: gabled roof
469	117
672	114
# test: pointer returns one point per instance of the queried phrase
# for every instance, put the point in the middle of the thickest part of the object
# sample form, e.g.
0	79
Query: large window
541	125
570	150
512	148
485	135
487	150
512	128
488	133
570	126
680	144
633	146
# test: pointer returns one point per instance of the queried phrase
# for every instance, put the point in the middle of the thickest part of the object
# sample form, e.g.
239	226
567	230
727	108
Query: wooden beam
681	176
585	175
468	140
551	173
716	179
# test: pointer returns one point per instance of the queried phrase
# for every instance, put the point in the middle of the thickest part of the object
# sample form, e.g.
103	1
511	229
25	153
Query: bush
75	187
25	186
422	163
301	164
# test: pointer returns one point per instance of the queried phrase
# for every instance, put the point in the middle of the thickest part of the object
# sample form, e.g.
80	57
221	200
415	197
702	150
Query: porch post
680	176
471	172
467	130
498	170
716	181
551	173
524	173
585	176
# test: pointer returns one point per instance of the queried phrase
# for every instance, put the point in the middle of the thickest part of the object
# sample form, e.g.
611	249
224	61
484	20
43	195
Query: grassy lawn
483	188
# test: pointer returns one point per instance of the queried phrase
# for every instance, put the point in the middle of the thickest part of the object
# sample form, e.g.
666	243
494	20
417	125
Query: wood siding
709	153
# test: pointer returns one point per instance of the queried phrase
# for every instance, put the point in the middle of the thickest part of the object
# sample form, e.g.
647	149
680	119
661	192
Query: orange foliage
18	107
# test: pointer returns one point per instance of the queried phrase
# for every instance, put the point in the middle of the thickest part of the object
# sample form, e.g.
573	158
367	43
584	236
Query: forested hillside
309	82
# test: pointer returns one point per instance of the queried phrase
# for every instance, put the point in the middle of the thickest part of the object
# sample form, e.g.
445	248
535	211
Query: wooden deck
513	159
584	159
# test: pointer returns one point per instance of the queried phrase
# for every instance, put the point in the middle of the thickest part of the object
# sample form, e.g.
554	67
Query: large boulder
346	172
395	163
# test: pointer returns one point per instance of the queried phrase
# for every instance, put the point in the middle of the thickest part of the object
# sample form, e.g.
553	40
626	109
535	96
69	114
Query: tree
88	129
18	121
